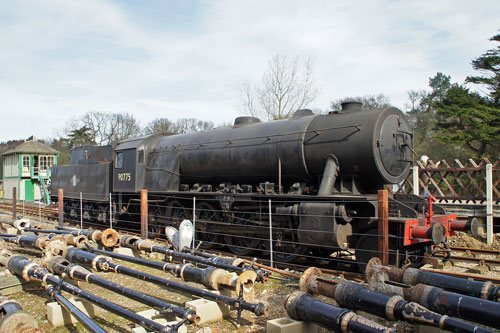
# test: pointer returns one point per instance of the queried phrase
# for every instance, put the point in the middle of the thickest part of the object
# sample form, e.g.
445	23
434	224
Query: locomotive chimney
351	106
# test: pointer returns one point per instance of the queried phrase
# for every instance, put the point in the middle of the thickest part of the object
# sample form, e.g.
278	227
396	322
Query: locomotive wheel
156	221
367	248
242	244
207	213
176	212
288	251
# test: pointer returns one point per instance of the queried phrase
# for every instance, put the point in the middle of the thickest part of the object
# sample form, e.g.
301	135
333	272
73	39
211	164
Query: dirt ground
273	293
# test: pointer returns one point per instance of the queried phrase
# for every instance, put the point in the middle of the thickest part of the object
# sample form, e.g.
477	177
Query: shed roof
31	147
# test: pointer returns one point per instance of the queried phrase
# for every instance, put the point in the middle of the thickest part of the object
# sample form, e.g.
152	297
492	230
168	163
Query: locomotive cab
128	168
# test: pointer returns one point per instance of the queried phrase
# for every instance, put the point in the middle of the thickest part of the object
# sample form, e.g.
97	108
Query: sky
187	59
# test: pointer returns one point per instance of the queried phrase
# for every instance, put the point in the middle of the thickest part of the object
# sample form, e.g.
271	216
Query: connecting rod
436	299
302	306
102	263
31	271
147	245
58	265
211	277
357	297
412	276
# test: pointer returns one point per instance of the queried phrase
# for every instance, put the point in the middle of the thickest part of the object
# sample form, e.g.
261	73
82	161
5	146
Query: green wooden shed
27	167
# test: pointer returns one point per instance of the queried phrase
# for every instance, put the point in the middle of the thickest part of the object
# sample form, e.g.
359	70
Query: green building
27	167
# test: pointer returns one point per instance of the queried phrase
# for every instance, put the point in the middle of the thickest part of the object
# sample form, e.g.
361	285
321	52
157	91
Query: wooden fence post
489	204
383	226
14	203
60	206
144	214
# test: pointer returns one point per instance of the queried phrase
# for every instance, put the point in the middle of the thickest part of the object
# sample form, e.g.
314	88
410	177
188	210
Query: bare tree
369	102
286	87
159	126
190	125
104	128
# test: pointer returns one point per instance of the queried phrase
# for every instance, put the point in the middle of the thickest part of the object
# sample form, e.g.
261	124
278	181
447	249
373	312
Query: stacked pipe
102	263
108	237
31	271
227	264
436	299
210	277
412	276
357	297
302	306
60	266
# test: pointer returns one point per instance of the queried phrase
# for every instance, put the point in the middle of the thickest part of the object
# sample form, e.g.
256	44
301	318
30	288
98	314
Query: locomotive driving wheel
156	221
176	213
286	250
367	248
206	216
242	244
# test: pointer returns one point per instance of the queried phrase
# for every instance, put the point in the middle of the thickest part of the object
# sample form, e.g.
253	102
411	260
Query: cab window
119	160
140	156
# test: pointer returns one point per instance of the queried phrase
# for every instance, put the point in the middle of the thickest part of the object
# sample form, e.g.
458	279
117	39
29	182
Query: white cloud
64	58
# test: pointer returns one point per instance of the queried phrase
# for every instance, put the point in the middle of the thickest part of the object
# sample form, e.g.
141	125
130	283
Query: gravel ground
273	293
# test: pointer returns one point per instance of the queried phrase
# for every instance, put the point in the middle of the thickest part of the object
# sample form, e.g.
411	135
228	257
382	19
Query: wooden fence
466	181
472	182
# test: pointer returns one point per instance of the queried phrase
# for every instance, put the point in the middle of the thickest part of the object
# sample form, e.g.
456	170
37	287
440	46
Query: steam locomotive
315	177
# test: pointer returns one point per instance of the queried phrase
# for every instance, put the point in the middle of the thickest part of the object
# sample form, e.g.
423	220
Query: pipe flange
344	323
371	268
485	289
310	274
390	305
56	247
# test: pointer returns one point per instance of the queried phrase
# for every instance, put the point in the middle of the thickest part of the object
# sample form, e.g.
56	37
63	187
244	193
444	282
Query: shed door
29	194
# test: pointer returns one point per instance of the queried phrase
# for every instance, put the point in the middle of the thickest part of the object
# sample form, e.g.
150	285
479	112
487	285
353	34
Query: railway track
46	212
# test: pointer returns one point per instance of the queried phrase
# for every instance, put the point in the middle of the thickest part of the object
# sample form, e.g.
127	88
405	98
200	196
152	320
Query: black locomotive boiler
321	174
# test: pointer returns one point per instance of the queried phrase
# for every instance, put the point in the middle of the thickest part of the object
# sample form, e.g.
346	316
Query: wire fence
255	225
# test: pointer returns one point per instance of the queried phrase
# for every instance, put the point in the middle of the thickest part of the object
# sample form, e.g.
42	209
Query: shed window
51	161
119	160
140	157
43	162
26	162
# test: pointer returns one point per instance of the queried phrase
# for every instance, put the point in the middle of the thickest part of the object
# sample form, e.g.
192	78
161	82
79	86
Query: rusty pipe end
144	244
55	263
109	237
96	236
129	241
246	280
309	276
371	268
21	224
